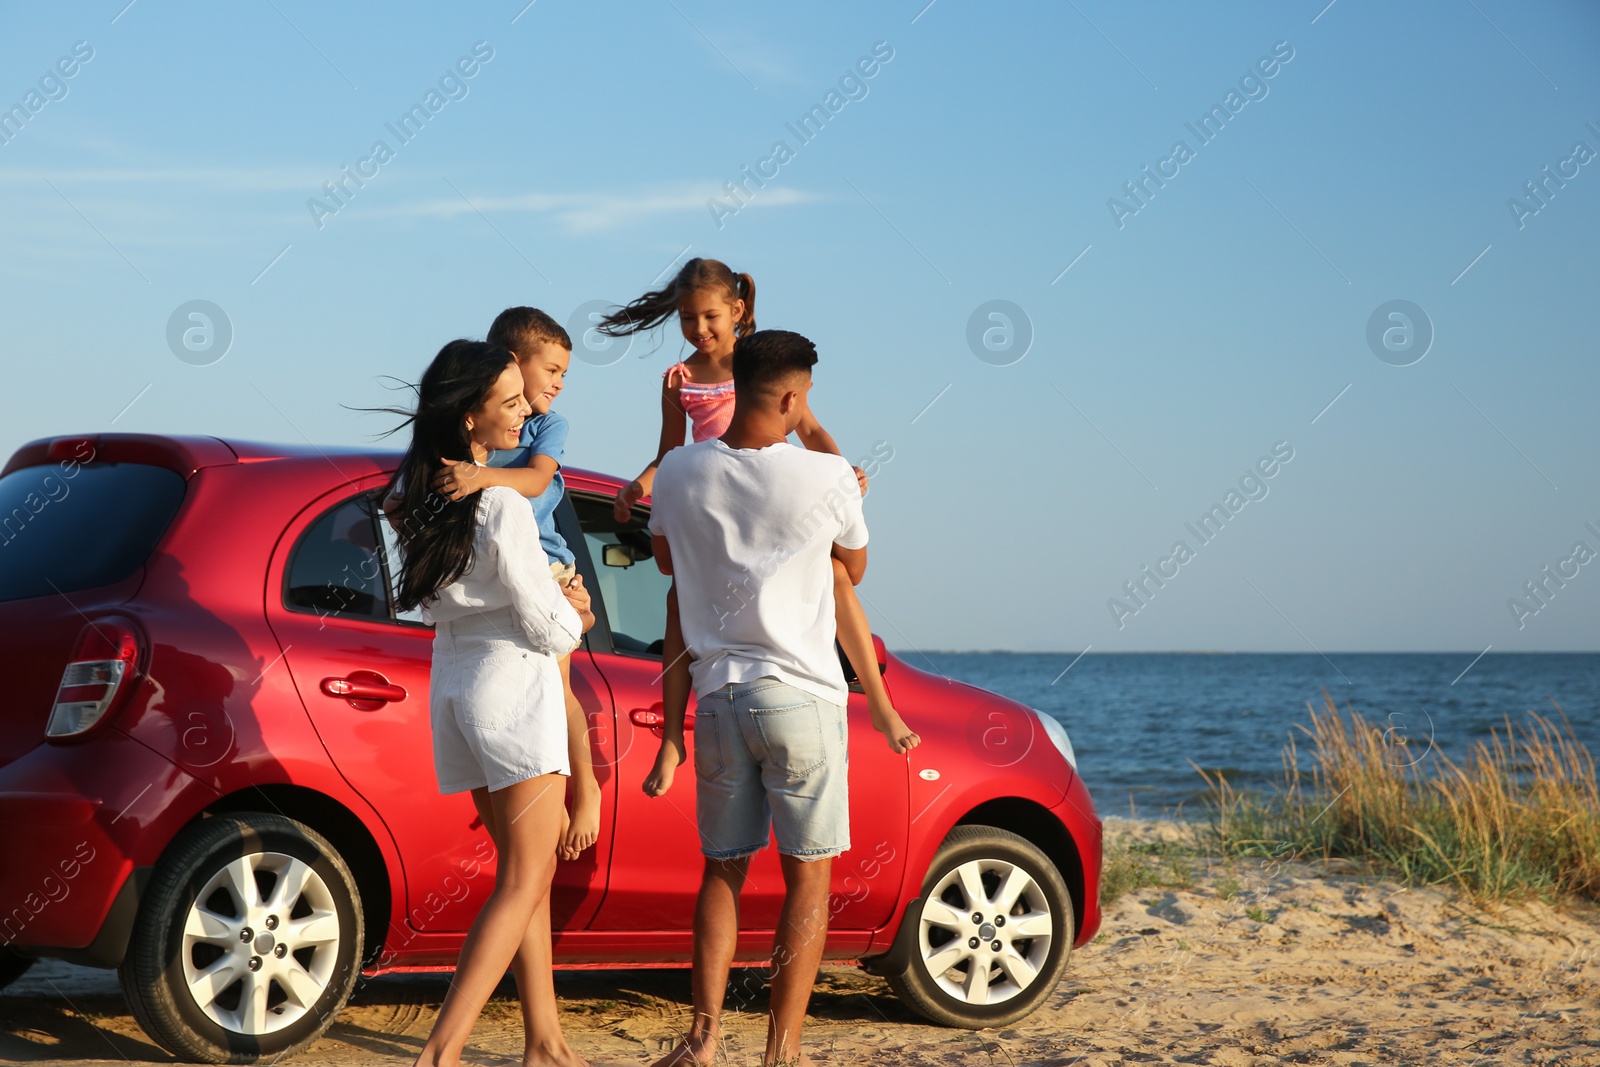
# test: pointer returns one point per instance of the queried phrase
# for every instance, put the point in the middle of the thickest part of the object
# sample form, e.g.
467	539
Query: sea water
1137	720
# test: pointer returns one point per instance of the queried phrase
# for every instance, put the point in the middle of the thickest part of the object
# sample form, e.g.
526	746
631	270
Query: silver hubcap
985	931
260	943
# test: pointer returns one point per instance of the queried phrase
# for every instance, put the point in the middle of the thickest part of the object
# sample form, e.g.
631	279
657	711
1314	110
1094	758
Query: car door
362	671
656	874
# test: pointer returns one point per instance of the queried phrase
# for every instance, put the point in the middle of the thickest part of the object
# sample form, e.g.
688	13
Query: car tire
248	941
954	975
12	966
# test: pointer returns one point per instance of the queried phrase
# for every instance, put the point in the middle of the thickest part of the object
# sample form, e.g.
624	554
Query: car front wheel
991	933
248	941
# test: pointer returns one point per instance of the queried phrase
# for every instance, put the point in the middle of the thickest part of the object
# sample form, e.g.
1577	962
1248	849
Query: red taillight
103	668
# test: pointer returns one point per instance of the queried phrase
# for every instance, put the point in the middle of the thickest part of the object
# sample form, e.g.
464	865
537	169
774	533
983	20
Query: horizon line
1238	652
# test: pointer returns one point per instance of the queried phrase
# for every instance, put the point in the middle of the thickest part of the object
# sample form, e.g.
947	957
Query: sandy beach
1257	963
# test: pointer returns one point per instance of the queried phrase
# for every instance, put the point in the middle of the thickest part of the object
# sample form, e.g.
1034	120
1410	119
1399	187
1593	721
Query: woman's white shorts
498	707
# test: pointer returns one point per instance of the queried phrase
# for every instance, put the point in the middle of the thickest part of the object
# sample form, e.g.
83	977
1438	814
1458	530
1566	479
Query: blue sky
1172	346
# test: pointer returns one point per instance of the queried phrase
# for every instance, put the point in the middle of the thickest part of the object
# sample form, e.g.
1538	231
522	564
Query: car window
632	588
337	567
391	563
70	525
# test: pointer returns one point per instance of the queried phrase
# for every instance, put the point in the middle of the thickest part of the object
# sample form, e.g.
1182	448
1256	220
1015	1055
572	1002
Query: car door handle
654	718
364	686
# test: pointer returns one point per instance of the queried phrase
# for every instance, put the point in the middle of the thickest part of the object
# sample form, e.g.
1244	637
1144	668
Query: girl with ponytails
715	307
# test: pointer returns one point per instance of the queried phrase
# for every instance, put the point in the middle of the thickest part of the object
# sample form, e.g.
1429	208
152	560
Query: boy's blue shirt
542	435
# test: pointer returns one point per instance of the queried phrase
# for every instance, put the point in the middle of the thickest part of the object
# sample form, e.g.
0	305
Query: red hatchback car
216	772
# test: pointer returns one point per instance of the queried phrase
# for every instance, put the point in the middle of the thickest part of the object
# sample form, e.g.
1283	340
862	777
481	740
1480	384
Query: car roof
188	453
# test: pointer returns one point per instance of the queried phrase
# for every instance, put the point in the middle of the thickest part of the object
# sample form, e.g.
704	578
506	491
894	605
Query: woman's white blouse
509	569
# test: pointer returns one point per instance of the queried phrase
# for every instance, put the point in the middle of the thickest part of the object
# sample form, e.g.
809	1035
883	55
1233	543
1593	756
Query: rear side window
67	526
337	566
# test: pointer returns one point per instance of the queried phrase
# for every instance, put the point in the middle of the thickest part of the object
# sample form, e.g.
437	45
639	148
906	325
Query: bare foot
552	1056
433	1059
888	722
692	1051
582	827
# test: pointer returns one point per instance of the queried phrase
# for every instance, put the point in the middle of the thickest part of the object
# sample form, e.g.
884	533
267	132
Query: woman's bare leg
532	968
527	818
543	1042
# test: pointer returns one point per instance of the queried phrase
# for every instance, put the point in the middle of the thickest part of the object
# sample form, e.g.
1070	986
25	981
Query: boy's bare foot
666	767
582	828
692	1051
887	721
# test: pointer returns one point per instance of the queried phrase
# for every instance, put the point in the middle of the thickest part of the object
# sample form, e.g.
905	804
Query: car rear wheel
991	934
248	941
12	966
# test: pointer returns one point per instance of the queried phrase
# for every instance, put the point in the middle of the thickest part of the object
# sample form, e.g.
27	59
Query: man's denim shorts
768	754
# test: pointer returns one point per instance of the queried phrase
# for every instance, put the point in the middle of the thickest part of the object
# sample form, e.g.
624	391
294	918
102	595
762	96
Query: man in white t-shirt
748	526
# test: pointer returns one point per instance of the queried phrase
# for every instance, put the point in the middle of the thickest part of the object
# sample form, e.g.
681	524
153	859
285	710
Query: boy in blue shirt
543	351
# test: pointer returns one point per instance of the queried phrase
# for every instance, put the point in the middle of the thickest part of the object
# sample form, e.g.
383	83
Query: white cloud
589	212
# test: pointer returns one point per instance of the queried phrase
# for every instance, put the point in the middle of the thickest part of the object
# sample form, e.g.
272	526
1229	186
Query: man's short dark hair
519	329
763	360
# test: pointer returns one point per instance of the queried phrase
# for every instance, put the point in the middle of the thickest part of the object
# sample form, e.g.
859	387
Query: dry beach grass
1519	819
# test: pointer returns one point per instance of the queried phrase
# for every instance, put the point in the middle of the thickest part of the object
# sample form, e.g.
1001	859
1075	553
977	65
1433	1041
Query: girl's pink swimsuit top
709	407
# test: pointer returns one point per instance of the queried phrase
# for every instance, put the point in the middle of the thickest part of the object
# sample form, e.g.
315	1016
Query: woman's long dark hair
659	305
435	532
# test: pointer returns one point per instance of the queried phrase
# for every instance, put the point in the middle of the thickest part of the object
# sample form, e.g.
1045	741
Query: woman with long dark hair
475	566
